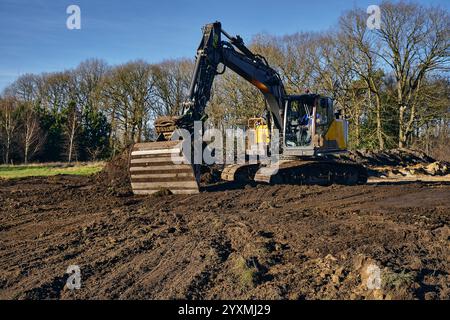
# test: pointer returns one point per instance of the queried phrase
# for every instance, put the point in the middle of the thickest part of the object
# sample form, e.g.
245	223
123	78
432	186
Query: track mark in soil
49	290
201	283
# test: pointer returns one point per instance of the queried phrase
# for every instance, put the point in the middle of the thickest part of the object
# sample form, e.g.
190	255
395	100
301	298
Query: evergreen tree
94	143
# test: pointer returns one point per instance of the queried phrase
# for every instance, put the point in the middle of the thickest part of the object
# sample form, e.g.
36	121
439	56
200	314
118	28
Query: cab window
298	124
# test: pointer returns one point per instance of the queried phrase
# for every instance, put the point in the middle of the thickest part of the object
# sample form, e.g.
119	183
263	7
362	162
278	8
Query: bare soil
230	241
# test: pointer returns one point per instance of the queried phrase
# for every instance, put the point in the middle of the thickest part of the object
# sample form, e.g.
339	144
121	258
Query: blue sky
34	37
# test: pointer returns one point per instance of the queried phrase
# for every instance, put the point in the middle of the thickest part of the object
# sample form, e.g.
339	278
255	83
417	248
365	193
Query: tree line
90	112
391	83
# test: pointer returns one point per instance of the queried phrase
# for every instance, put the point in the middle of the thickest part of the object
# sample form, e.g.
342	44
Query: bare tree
9	120
32	137
57	90
291	56
171	84
416	42
71	129
25	88
362	44
126	90
87	78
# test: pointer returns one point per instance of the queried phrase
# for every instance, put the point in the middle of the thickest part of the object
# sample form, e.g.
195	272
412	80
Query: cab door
299	125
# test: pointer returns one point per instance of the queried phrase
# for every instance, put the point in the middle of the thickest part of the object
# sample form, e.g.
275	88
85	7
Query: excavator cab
298	122
308	119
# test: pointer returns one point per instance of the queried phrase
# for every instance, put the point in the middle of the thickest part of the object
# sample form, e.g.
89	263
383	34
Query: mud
115	175
399	164
230	241
392	157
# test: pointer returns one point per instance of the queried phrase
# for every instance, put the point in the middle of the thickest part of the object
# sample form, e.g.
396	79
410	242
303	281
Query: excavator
309	132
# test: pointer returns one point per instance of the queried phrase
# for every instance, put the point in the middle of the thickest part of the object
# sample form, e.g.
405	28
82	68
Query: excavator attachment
160	165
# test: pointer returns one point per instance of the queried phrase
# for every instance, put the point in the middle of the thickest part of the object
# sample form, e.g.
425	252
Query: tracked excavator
309	131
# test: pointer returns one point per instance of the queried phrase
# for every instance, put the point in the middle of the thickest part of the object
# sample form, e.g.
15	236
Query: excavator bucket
156	166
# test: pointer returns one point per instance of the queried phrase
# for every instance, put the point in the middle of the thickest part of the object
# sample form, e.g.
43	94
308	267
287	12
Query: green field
50	169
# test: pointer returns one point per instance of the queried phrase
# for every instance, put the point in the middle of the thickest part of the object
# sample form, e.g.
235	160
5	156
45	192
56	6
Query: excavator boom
232	54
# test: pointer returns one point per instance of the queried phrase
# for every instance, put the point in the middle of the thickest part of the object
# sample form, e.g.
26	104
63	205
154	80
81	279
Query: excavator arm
232	54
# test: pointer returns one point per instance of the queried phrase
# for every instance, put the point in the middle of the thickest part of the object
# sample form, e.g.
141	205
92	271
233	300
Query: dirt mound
397	162
115	175
162	192
393	157
433	169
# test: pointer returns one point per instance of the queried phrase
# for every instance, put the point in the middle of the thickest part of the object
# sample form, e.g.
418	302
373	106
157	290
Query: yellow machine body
336	135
